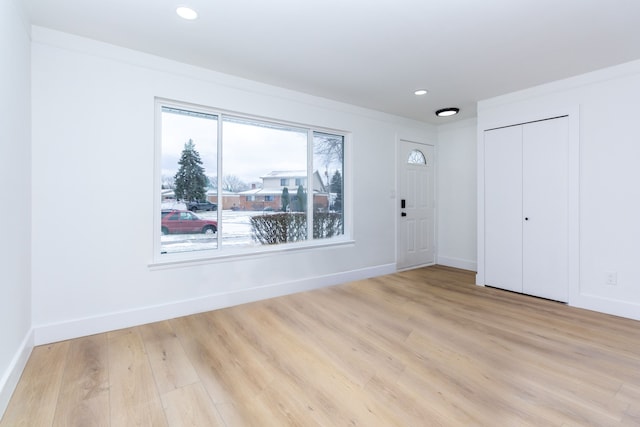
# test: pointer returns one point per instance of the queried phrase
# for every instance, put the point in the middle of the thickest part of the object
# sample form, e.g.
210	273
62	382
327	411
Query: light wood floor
419	348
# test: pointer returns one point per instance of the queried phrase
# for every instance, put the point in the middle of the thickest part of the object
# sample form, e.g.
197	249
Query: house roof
285	174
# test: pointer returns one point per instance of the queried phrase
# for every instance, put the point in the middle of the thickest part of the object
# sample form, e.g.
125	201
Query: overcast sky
249	151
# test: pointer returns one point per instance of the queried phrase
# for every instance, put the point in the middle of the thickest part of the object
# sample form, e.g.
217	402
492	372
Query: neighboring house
167	194
270	195
230	200
291	179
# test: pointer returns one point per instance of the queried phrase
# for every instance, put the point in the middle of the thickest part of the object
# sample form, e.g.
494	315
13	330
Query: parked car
185	222
201	206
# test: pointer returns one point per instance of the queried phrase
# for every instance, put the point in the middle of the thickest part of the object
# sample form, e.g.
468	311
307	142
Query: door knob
403	214
526	218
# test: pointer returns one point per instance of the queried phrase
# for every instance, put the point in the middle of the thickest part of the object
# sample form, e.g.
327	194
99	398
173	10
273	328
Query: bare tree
229	183
168	182
329	147
234	184
330	152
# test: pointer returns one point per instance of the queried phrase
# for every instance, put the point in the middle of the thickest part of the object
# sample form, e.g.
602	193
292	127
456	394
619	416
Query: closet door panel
545	209
503	208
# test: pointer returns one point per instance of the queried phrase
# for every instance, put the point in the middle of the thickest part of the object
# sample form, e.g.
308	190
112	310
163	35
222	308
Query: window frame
220	253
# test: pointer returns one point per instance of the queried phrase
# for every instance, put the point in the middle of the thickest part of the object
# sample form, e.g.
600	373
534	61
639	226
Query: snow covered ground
235	229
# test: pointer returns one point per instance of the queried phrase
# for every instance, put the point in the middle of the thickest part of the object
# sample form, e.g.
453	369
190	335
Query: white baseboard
464	264
75	328
601	304
11	376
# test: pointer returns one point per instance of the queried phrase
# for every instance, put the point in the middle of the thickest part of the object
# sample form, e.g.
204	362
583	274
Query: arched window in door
416	157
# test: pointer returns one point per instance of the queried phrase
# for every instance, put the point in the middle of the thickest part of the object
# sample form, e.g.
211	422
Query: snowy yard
235	229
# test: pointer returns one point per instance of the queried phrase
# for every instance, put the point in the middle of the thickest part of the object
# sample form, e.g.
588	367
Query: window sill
215	256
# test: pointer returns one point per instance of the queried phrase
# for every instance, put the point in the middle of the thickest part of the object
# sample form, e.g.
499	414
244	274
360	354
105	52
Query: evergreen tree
302	199
336	187
190	180
285	199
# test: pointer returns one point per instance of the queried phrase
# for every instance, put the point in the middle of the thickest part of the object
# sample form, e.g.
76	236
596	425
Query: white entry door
415	205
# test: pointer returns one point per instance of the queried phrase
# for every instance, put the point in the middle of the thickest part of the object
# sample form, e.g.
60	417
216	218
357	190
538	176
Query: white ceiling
371	53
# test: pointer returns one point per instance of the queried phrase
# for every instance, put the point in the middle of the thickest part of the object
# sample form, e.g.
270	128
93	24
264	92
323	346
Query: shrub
327	224
279	228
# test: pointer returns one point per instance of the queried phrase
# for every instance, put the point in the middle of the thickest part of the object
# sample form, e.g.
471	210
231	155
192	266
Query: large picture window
233	184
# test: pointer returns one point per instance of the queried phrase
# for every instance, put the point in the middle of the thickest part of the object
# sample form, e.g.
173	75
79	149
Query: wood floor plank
306	369
134	398
409	406
629	393
34	401
424	347
464	381
632	415
226	368
371	348
84	393
190	406
349	352
170	364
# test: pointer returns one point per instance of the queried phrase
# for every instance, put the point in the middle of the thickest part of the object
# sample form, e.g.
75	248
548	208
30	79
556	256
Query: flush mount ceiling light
446	112
420	92
185	12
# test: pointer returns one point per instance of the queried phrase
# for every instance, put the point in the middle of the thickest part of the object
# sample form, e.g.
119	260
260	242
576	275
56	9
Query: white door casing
416	219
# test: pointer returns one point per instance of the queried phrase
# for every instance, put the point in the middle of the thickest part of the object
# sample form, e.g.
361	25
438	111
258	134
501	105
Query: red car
185	222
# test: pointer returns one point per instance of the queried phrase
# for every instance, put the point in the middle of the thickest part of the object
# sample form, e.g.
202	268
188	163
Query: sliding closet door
503	208
545	189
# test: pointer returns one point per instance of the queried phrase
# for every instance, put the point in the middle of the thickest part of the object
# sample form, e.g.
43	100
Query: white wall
15	175
609	177
93	147
456	194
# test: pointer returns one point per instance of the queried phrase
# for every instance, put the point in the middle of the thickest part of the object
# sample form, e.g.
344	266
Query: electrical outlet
611	278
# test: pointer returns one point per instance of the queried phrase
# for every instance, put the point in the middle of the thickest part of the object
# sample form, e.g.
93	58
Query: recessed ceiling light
186	13
446	112
421	92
